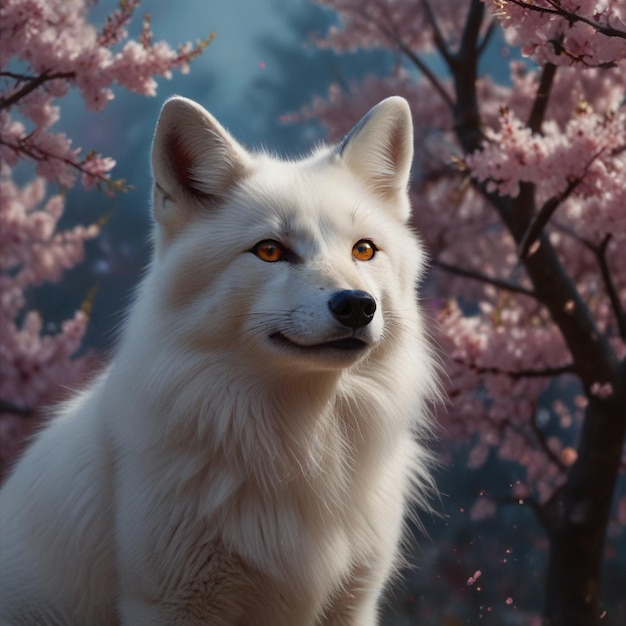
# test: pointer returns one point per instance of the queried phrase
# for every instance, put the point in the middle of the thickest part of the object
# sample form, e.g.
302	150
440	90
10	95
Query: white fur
211	475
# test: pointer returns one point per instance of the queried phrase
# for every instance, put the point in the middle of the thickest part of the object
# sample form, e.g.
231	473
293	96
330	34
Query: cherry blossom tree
520	194
47	48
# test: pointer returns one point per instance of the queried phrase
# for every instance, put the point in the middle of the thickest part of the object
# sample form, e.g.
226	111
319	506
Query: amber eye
269	250
364	250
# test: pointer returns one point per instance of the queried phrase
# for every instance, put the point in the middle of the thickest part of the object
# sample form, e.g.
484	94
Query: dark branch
467	121
560	49
533	232
395	39
9	407
546	372
440	42
536	226
37	154
542	97
471	30
30	86
618	310
496	282
20	78
570	232
491	29
570	16
428	73
541	438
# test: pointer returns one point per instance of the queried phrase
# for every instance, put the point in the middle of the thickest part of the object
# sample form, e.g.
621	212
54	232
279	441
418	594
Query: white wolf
249	455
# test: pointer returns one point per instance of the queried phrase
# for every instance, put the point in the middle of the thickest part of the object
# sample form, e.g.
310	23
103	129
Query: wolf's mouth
348	344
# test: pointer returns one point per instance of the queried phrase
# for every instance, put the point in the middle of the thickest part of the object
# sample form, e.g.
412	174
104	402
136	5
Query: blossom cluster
376	23
570	32
589	152
34	360
47	48
498	371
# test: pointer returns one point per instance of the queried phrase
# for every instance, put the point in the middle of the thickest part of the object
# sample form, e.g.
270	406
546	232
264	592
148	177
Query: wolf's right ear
195	161
379	149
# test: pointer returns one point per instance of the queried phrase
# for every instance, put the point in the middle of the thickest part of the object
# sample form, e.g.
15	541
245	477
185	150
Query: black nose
352	307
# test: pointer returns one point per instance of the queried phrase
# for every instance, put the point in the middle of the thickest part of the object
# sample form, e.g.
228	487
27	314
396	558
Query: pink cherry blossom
473	578
48	47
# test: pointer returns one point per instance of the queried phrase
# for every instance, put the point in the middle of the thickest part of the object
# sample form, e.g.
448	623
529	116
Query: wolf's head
305	264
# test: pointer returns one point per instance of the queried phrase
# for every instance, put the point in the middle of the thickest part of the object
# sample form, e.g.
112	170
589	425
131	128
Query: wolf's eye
364	250
269	250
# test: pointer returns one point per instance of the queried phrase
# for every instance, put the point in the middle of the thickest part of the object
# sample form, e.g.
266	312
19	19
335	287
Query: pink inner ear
397	146
379	148
181	163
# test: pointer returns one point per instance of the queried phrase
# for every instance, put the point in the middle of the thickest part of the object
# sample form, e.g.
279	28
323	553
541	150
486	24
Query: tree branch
542	97
618	310
570	232
537	224
395	39
35	153
491	29
590	348
32	84
546	372
440	42
541	438
471	30
496	282
549	207
570	16
467	122
428	73
9	407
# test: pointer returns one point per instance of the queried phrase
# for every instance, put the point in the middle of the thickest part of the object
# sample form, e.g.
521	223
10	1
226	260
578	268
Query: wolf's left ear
195	161
379	149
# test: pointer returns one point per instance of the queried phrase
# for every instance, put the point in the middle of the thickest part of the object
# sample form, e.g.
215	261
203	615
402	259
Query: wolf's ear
379	149
195	162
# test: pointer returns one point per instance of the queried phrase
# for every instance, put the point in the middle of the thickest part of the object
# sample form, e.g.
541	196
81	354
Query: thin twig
533	232
491	29
414	58
543	216
496	282
568	230
541	438
35	153
542	97
428	73
570	16
618	310
440	42
546	372
9	407
32	84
